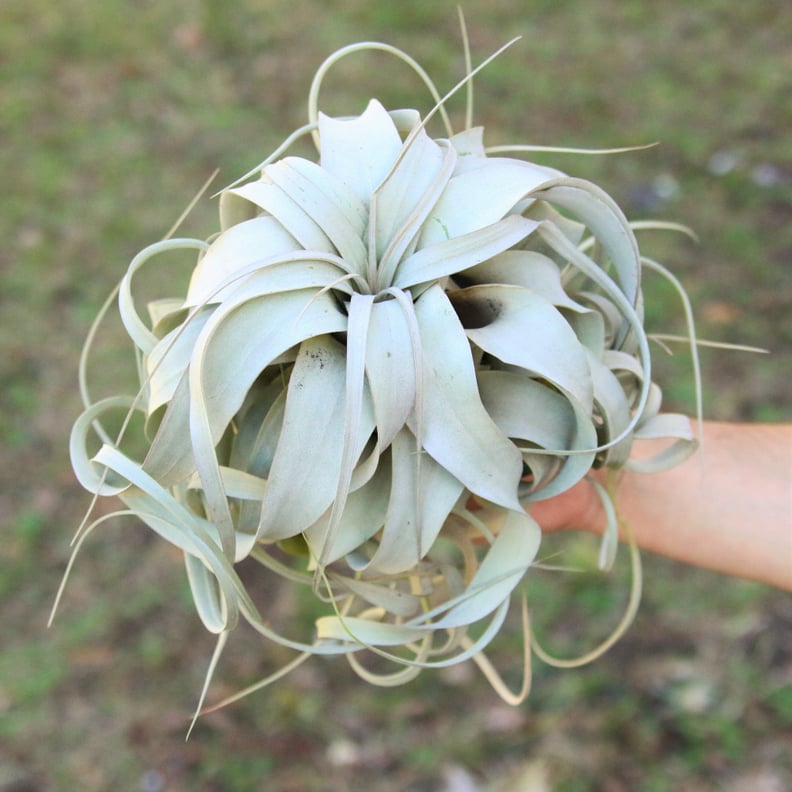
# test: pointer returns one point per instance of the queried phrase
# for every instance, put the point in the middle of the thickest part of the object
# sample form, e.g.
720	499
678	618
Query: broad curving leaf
457	430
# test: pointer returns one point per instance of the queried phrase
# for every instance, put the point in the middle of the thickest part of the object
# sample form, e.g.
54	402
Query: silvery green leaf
653	403
305	470
259	430
616	360
390	369
609	315
562	429
161	512
614	411
632	321
359	310
405	119
363	515
589	327
365	632
165	314
503	320
541	210
264	327
443	258
469	145
606	221
629	373
234	251
502	568
525	268
505	394
92	475
287	273
236	484
328	201
169	359
456	429
481	196
267	195
665	426
360	151
399	603
235	209
170	457
403	201
240	340
449	654
353	211
610	534
137	329
422	494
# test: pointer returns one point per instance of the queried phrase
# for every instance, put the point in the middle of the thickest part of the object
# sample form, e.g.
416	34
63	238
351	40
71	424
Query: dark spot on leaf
474	309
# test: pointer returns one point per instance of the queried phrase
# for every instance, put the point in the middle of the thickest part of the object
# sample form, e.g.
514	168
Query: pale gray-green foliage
383	357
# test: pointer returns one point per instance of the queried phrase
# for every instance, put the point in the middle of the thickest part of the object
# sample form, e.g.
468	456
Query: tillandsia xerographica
382	358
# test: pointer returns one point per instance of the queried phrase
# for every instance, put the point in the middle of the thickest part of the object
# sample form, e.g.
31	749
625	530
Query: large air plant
383	357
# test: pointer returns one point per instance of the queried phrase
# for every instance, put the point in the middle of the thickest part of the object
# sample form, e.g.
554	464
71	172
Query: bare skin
728	508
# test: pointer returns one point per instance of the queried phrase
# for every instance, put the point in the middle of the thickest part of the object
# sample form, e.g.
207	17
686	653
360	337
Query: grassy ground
111	115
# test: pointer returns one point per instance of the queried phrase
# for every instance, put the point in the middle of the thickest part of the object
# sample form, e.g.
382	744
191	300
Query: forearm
727	508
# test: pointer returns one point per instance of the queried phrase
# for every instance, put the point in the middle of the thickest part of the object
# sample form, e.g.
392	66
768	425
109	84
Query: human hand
578	508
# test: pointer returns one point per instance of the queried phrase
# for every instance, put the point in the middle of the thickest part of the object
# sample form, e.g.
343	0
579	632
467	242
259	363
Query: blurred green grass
112	114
